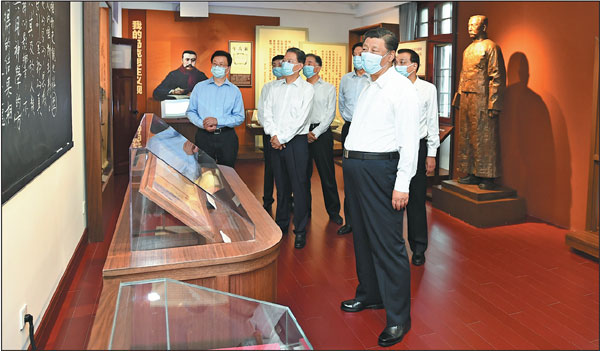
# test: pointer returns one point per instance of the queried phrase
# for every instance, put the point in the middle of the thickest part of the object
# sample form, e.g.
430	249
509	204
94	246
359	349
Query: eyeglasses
224	65
290	61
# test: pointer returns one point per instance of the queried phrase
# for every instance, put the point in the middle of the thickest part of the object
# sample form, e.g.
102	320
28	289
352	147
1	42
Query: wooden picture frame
241	65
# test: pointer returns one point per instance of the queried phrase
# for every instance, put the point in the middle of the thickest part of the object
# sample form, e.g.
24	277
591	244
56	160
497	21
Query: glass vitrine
165	314
178	195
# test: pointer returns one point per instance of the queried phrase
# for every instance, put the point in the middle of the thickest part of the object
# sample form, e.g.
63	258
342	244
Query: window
442	19
443	77
422	23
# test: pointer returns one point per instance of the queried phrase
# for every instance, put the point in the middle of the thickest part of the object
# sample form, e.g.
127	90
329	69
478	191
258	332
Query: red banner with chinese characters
137	31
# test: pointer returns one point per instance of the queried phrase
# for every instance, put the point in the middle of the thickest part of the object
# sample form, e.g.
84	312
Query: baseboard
42	334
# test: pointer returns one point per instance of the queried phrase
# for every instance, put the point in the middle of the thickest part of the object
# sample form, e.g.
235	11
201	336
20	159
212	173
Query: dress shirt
386	119
428	122
264	92
287	107
351	85
221	102
322	111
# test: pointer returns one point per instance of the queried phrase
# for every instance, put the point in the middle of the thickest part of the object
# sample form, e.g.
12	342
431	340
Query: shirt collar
297	82
211	80
384	78
367	75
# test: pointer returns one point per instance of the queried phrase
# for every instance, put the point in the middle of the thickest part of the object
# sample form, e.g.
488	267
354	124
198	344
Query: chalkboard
36	90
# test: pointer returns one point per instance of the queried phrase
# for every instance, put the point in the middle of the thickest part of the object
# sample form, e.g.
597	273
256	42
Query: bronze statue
479	101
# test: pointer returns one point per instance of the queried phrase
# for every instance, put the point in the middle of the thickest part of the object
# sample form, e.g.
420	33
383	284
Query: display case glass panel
165	314
179	197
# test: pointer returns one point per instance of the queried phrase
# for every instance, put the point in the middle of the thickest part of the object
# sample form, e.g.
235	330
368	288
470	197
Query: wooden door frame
93	152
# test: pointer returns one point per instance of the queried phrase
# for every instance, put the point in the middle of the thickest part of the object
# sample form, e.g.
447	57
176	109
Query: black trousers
382	263
222	147
290	171
416	214
345	129
321	150
269	180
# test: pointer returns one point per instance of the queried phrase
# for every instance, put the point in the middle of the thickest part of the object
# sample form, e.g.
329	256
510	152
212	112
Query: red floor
510	287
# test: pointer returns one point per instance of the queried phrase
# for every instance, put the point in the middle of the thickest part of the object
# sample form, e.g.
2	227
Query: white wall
322	27
42	223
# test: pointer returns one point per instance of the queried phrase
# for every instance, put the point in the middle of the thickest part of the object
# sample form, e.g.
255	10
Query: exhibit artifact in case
179	197
166	314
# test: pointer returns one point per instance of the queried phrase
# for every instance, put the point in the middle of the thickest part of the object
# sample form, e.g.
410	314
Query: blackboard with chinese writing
36	90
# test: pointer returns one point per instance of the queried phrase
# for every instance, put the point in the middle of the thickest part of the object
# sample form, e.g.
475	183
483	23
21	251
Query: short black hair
414	57
222	53
389	38
189	52
317	58
300	55
276	57
360	43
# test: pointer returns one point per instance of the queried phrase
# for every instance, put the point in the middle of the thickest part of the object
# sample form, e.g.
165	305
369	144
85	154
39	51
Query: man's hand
311	137
189	148
493	113
177	91
399	200
209	124
429	164
275	144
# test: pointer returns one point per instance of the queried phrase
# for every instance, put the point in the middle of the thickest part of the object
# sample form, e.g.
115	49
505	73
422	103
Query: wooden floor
510	287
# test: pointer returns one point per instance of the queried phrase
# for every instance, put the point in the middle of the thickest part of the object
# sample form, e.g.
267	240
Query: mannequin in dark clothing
182	80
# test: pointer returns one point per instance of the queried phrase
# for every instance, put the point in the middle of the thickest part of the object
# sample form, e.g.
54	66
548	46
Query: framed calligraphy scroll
241	66
36	90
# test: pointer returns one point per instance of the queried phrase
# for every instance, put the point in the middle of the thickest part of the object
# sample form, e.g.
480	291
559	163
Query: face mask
358	62
277	72
218	71
308	71
403	70
287	69
371	62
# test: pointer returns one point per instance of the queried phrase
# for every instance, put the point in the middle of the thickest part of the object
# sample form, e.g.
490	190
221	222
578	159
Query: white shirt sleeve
267	112
264	92
406	125
433	126
328	113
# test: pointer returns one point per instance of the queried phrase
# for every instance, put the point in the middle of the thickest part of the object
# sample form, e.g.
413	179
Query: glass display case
165	314
178	195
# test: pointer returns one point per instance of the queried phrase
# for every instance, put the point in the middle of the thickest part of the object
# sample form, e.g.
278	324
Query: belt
313	126
218	130
371	155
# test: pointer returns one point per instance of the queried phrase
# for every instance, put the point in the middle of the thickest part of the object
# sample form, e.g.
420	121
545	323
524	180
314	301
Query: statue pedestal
481	208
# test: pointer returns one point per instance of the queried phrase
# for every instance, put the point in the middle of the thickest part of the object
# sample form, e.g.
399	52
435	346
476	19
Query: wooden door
125	114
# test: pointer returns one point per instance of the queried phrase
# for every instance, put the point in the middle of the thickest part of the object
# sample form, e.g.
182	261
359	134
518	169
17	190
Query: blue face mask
277	72
371	62
358	62
402	70
287	69
218	71
308	71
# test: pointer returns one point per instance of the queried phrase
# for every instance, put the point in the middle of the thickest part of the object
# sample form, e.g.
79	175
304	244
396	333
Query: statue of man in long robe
479	99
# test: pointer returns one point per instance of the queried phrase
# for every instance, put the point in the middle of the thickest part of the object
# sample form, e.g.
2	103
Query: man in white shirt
351	85
407	64
267	150
320	138
285	119
379	161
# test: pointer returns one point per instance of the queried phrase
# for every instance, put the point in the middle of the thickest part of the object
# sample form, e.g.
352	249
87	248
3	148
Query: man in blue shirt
216	107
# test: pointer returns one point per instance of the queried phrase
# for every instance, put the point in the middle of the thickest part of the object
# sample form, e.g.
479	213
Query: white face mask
372	62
